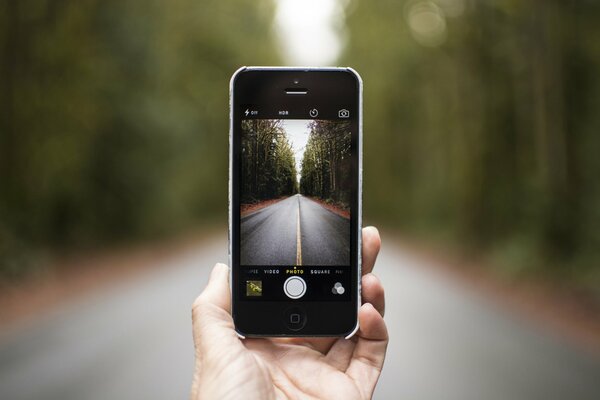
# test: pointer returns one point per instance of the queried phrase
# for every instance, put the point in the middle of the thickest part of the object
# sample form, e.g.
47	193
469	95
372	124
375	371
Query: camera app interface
295	209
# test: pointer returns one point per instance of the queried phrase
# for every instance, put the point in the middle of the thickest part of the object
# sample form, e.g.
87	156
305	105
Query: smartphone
295	185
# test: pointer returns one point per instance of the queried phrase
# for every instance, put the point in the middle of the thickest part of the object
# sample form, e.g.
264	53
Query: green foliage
482	122
268	165
113	115
326	163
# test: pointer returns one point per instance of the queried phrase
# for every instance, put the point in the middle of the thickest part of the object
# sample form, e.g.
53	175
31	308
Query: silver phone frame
360	173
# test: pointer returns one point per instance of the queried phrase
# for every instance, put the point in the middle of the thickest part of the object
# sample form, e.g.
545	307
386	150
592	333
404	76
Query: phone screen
295	191
295	201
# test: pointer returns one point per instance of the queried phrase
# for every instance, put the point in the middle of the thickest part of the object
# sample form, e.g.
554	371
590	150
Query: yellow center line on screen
298	240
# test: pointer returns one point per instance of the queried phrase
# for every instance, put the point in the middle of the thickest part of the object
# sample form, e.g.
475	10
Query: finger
321	345
373	292
369	353
371	243
340	354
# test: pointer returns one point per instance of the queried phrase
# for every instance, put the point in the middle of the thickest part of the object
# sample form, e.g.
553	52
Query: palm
228	367
298	369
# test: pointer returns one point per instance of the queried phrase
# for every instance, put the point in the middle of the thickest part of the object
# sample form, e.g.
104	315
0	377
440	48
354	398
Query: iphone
295	183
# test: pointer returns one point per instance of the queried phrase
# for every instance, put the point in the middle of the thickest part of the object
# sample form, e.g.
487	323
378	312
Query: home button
294	318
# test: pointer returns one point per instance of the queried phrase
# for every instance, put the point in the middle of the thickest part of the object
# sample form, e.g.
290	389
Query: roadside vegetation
480	132
481	128
326	164
113	119
268	169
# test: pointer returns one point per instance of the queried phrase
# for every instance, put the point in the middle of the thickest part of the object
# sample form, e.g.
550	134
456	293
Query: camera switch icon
338	288
343	113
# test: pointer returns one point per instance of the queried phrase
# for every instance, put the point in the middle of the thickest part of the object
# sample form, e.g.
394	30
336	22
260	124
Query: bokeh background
481	167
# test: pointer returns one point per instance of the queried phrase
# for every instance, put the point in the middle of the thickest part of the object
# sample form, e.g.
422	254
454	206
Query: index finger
371	243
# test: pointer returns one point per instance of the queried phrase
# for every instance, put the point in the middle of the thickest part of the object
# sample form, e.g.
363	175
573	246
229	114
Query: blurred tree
113	115
482	123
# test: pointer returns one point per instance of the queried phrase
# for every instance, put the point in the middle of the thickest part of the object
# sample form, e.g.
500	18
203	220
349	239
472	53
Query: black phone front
295	210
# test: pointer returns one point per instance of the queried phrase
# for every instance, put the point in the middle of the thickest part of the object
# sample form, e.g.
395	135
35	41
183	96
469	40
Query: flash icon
247	112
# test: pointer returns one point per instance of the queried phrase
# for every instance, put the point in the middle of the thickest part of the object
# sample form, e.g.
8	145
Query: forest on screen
269	169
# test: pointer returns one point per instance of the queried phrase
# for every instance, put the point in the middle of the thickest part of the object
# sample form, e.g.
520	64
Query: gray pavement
132	341
270	236
325	235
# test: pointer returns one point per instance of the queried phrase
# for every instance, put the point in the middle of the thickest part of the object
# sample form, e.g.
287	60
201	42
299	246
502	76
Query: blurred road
295	231
133	341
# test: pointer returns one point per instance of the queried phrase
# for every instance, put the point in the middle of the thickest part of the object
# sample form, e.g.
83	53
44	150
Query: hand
288	368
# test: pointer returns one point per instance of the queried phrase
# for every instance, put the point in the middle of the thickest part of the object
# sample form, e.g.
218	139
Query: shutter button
294	287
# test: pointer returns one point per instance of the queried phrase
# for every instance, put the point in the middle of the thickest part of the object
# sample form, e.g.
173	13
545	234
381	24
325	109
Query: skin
228	367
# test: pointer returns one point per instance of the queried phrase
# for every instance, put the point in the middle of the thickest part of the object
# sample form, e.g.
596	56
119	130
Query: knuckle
198	305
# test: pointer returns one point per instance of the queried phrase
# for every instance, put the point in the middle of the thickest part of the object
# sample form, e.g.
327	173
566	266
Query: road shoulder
68	277
554	308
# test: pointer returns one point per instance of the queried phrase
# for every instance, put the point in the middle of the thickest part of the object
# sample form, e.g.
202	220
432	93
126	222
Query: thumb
217	290
211	312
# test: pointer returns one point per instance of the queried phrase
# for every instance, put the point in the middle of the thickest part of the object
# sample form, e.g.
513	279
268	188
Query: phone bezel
343	315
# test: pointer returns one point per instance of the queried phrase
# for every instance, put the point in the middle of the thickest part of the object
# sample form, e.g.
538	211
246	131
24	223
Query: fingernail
217	269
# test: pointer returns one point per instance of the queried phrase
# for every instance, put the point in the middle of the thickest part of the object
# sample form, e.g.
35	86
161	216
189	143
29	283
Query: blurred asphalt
133	341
